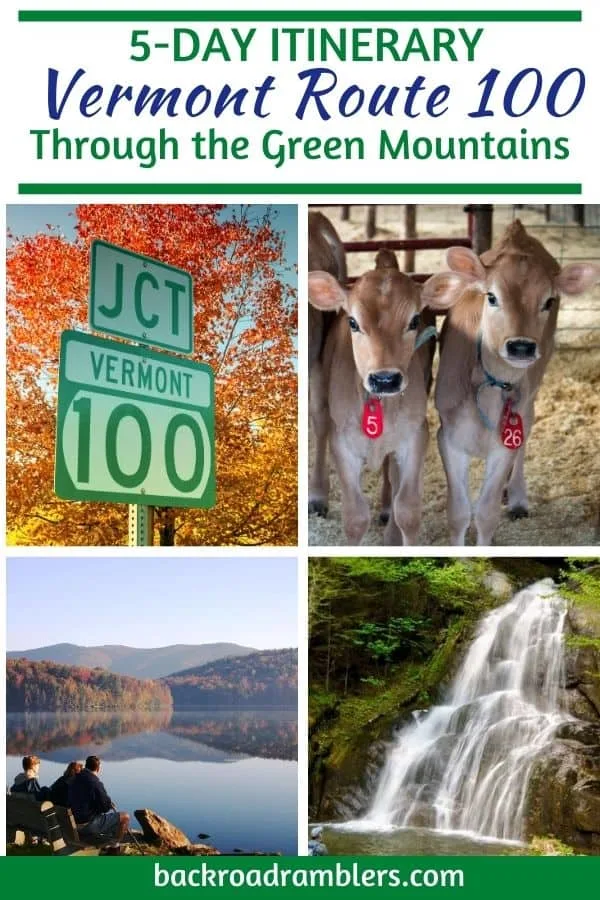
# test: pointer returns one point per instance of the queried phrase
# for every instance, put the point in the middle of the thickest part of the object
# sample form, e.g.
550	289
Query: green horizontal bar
294	188
305	15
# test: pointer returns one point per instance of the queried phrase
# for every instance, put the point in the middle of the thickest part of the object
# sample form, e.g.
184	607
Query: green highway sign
136	297
133	426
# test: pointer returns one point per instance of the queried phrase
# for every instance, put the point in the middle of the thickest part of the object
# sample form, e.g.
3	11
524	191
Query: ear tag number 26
511	428
372	418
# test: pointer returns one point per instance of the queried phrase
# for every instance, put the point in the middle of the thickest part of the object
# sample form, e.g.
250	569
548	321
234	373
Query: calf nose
520	348
385	382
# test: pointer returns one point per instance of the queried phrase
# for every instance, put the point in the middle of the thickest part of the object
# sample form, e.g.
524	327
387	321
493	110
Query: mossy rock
549	846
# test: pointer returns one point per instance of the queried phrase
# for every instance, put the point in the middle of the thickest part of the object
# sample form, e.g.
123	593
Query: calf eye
492	299
414	322
353	324
548	304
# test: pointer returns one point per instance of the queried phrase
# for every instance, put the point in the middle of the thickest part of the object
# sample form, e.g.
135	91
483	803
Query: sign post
141	525
133	425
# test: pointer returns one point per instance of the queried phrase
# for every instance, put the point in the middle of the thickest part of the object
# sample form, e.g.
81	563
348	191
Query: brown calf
496	344
325	253
376	385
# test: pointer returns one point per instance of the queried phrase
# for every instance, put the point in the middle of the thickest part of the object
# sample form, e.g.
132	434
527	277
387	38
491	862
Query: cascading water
465	766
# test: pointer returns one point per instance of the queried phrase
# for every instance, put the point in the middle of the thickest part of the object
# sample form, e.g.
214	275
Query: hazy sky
149	602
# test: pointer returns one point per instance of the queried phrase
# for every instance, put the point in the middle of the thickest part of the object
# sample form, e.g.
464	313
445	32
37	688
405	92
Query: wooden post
410	231
371	221
345	213
482	227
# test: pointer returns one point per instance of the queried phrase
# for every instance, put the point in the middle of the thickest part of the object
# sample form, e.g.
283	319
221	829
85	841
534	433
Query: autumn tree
245	326
48	685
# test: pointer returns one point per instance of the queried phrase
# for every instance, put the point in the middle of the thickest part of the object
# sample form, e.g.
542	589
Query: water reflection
268	734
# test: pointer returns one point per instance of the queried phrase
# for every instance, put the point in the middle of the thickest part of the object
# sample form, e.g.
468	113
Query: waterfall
465	765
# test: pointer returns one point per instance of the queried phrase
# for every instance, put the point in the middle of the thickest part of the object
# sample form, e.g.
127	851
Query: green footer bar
467	878
295	188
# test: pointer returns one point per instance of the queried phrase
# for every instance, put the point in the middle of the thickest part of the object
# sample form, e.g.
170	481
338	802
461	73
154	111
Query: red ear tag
372	418
511	428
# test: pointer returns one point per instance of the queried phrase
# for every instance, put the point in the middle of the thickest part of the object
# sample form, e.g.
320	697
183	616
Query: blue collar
490	381
489	378
426	335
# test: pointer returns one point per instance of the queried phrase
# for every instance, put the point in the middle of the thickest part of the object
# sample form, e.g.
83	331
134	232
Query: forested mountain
138	662
264	678
52	686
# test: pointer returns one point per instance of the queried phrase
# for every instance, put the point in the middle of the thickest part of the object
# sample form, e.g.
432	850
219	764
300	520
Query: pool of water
340	841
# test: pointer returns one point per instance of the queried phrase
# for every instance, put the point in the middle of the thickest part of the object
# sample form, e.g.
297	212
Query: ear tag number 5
372	418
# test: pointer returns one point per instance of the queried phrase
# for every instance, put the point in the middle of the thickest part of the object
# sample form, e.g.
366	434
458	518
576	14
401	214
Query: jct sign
133	426
140	298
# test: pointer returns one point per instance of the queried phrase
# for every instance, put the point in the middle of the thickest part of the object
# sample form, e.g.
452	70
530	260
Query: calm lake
227	773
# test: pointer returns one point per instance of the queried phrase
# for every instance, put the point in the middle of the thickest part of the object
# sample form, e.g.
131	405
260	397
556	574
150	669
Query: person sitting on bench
94	811
26	782
59	791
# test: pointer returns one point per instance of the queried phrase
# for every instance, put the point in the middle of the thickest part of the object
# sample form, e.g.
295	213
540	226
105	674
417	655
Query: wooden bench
54	823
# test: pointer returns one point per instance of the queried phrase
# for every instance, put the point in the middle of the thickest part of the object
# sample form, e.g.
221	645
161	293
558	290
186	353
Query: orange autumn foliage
245	325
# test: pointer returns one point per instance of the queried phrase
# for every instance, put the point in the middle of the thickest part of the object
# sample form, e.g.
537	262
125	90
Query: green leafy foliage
582	582
371	616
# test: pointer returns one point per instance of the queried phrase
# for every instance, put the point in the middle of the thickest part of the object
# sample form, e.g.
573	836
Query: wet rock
584	732
578	705
582	662
563	797
349	790
499	585
422	816
584	620
586	809
430	769
591	690
158	830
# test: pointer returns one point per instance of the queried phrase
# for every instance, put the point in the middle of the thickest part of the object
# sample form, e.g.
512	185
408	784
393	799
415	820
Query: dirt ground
563	459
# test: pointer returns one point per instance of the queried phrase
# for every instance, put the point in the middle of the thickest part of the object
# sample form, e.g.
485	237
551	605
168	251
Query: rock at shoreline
158	830
197	850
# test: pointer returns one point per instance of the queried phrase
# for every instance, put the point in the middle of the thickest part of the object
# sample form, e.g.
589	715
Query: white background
103	50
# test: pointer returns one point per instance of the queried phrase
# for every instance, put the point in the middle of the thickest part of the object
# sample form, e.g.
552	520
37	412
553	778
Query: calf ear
443	290
577	278
466	263
324	292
